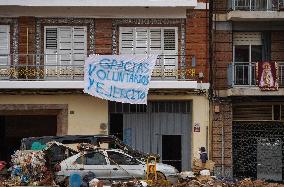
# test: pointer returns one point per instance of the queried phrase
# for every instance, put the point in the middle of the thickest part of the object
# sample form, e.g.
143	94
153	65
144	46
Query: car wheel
160	176
65	183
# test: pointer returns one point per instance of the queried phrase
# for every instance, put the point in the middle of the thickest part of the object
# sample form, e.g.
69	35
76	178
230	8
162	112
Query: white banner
121	78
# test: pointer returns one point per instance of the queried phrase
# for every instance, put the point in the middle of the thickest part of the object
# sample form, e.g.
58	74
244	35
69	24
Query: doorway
171	150
15	127
116	125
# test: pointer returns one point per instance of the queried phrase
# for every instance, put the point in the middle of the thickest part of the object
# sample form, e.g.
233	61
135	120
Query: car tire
65	183
160	176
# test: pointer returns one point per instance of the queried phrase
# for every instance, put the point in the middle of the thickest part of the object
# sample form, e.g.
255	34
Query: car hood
165	168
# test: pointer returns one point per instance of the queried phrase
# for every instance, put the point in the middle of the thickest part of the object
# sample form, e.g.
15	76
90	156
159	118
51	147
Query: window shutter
50	46
79	45
64	45
155	40
247	38
51	38
170	48
141	40
4	44
155	45
126	40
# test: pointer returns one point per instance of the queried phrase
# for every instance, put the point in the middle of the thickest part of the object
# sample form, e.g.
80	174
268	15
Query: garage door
149	128
258	150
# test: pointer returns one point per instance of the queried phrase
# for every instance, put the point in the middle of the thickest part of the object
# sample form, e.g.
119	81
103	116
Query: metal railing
258	5
70	67
244	74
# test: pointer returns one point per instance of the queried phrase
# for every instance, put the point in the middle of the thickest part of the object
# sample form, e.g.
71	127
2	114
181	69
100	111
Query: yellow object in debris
151	167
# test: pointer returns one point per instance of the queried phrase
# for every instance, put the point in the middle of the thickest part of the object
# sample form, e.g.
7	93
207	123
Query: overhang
255	15
103	3
80	85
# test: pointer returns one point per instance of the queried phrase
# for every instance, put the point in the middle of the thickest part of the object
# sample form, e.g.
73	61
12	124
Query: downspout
210	92
207	57
210	48
223	169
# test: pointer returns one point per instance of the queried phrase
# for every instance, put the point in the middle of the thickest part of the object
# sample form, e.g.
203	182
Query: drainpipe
210	48
211	90
223	134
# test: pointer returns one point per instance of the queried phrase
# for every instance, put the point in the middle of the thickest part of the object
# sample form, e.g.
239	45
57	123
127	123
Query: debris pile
199	166
28	168
211	181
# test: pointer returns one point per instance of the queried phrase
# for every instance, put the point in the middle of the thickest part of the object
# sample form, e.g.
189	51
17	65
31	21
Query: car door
124	166
93	162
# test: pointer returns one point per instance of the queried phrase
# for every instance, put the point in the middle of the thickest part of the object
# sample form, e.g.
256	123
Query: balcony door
153	40
65	51
247	51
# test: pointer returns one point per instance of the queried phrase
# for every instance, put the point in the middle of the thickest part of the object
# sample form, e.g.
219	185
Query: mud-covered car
58	153
110	164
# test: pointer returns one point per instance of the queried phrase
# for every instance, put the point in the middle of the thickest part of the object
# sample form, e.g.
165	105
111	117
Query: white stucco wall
89	112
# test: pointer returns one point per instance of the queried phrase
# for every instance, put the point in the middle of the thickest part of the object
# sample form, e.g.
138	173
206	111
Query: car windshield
117	158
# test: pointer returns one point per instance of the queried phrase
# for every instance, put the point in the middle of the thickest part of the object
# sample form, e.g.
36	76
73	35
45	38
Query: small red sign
196	127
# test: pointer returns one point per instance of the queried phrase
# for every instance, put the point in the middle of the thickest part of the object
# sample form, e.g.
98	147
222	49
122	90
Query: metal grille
153	106
258	5
258	150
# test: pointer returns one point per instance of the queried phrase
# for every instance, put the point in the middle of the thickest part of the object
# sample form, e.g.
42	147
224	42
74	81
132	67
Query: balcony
256	10
242	80
258	5
55	71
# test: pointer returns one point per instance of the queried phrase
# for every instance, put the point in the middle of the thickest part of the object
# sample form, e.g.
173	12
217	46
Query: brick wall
220	6
26	36
223	53
277	46
103	36
222	119
197	40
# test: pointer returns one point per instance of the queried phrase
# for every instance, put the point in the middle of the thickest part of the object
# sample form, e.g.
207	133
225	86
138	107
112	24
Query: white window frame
58	71
8	46
148	47
245	43
57	27
167	62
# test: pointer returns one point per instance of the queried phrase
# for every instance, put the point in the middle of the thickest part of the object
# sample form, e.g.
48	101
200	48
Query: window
65	50
92	159
151	40
4	44
121	159
247	51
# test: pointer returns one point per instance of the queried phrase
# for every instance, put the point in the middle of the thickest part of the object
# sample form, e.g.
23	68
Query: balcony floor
249	91
80	85
238	15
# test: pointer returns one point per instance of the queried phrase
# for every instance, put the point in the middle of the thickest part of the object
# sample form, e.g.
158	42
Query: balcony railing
243	74
258	5
67	67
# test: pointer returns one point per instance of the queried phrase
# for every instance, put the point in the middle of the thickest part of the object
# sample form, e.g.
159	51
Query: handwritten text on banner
121	78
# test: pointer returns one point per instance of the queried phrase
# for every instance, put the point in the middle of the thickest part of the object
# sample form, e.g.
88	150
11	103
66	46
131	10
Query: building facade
43	46
247	122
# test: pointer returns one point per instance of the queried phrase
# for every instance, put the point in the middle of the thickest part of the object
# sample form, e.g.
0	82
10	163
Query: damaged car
110	164
39	143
